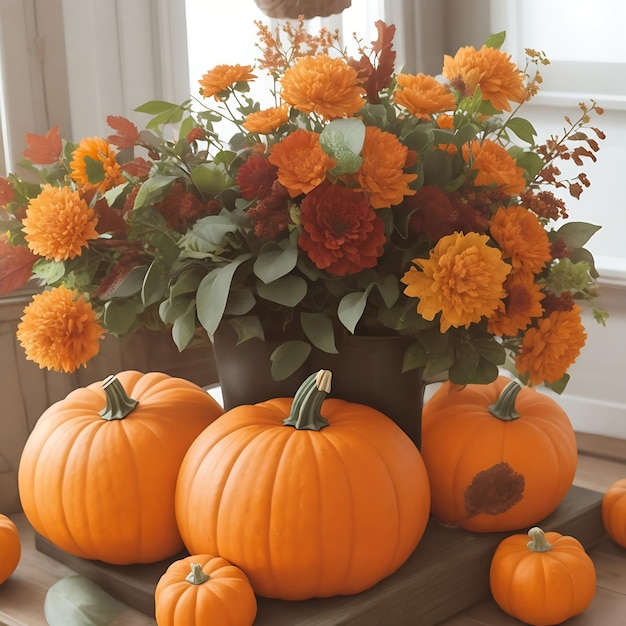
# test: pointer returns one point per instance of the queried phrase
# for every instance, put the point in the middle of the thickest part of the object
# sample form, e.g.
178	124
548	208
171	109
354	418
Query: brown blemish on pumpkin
494	490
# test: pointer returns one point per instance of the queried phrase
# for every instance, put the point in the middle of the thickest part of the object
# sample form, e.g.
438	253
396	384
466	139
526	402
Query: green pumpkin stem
504	407
538	542
197	575
307	402
119	405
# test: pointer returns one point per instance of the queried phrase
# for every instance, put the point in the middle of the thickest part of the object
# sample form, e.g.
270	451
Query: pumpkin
78	601
310	497
204	589
10	547
543	581
98	472
499	456
614	512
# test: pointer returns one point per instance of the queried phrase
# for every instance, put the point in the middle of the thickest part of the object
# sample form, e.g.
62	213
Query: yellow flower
463	280
267	120
94	166
323	85
59	223
59	330
221	77
423	95
500	80
549	349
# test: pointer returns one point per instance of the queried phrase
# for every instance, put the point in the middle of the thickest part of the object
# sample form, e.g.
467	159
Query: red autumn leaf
378	76
16	265
127	134
6	192
109	220
139	167
44	149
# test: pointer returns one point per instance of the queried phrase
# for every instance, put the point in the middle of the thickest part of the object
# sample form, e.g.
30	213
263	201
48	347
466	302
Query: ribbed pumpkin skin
614	512
529	462
10	547
226	599
542	588
304	513
103	489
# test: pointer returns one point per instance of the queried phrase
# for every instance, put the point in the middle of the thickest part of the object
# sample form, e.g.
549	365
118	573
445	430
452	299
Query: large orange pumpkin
499	456
98	473
10	547
204	589
543	581
311	498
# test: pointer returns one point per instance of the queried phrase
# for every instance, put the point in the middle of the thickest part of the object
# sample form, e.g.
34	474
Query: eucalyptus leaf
154	283
276	262
319	331
240	302
170	310
121	316
132	283
213	291
184	327
186	282
288	357
351	308
247	327
288	290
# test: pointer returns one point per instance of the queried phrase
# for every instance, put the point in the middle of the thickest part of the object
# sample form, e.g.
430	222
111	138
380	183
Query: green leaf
170	310
184	327
558	386
77	600
213	291
132	283
94	170
154	107
351	307
207	234
186	282
276	262
577	234
531	162
153	190
240	302
154	283
288	290
414	356
113	194
247	327
211	179
121	316
342	139
288	357
319	330
496	40
523	129
50	271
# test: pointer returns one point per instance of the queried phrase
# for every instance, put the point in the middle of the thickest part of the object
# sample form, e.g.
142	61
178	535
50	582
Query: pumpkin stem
197	575
504	407
307	402
119	405
538	542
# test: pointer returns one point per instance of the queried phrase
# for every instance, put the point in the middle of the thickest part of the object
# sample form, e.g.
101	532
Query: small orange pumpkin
543	581
614	512
98	472
499	456
204	589
10	547
311	497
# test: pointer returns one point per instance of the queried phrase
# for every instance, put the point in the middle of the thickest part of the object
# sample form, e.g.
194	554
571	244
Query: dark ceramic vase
366	370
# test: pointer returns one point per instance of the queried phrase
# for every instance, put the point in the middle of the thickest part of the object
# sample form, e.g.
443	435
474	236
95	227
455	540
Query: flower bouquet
355	201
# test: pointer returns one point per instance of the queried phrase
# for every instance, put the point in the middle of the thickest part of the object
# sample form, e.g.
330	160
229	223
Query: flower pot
366	370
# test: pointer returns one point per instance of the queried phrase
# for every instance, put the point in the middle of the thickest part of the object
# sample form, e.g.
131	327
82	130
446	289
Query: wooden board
448	572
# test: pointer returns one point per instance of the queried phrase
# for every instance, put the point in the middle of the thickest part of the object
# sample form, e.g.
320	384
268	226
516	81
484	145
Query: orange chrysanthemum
522	305
221	77
463	280
59	223
500	80
494	166
549	349
267	120
59	330
323	85
382	175
94	166
302	163
423	95
521	238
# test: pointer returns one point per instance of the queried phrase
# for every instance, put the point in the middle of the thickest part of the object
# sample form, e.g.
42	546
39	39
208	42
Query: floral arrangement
357	201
